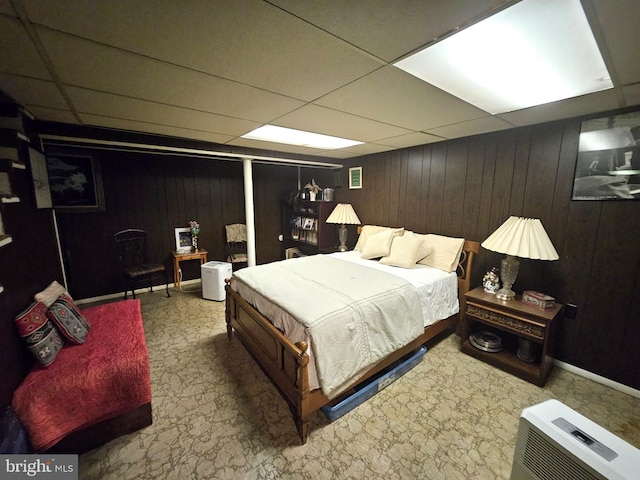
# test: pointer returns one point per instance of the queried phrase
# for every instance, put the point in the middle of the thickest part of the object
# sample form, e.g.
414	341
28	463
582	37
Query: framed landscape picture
75	183
608	164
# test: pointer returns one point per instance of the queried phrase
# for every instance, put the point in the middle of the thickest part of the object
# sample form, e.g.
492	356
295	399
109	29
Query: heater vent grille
545	459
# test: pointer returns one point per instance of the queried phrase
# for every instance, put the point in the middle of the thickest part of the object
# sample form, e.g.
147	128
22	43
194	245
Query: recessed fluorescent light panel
272	133
535	52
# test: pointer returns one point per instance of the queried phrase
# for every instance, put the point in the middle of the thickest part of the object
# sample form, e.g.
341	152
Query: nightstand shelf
511	320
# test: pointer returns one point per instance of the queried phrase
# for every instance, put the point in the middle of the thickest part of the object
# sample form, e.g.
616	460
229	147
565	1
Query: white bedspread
353	315
438	290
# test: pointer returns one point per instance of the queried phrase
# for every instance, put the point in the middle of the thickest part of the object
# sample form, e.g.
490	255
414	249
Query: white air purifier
213	275
557	443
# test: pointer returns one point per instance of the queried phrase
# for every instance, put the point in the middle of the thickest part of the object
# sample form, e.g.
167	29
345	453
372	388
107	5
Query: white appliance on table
213	274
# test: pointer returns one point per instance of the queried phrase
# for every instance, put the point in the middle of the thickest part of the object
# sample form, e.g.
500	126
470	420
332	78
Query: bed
264	320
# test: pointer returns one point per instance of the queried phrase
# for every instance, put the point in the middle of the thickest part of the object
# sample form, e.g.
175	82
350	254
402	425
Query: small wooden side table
201	254
510	320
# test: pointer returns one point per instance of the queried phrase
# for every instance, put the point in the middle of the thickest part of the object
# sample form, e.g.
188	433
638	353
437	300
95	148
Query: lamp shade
522	237
344	214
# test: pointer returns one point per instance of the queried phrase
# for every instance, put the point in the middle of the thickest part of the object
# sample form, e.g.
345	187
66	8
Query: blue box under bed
366	390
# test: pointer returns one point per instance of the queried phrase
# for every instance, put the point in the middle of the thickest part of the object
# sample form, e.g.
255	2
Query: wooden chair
134	258
237	245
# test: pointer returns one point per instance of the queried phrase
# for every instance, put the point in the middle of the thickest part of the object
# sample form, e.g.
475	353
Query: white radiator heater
557	443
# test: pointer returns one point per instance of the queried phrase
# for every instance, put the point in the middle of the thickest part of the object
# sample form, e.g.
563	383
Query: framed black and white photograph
75	183
184	242
608	165
355	177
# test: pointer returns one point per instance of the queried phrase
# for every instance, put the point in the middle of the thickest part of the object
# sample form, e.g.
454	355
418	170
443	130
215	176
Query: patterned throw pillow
67	317
39	334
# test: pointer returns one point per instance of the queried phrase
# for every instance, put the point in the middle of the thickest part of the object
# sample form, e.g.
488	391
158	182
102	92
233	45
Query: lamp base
505	294
342	236
508	274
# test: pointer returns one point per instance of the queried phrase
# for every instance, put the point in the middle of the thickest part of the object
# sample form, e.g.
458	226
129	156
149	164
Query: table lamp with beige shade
518	237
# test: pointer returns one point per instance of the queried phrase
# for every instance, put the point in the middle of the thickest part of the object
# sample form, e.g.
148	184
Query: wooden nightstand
510	320
201	255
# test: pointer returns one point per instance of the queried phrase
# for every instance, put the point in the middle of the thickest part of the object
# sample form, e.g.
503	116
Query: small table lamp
344	215
518	237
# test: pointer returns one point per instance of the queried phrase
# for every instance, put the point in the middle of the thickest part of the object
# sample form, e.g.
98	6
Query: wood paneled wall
27	265
468	187
159	193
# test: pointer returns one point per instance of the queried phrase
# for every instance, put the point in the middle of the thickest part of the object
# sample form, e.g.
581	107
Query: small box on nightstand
538	300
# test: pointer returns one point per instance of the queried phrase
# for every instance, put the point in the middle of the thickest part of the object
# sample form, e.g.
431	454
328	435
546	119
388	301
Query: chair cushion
140	270
67	317
39	333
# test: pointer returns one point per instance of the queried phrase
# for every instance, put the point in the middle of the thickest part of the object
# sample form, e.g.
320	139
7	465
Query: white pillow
379	244
405	251
425	249
366	232
445	253
49	294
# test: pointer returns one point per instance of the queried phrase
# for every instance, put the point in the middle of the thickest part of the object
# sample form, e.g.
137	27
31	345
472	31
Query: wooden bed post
301	416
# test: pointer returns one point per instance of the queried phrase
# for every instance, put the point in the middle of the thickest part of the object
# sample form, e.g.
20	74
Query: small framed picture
308	223
355	177
183	240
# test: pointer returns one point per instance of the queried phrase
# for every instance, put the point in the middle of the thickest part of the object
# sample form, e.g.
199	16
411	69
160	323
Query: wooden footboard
286	363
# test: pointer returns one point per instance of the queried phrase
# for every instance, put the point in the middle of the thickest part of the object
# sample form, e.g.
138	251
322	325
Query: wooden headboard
469	249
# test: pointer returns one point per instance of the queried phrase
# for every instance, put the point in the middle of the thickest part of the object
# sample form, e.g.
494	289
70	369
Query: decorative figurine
491	281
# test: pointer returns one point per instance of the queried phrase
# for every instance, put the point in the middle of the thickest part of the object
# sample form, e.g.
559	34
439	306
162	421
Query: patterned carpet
216	416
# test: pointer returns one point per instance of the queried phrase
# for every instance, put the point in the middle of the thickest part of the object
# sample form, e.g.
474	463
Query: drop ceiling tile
115	106
358	150
52	114
395	97
249	41
323	120
619	22
387	29
632	94
572	107
19	56
90	65
472	127
6	8
30	91
172	131
410	140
